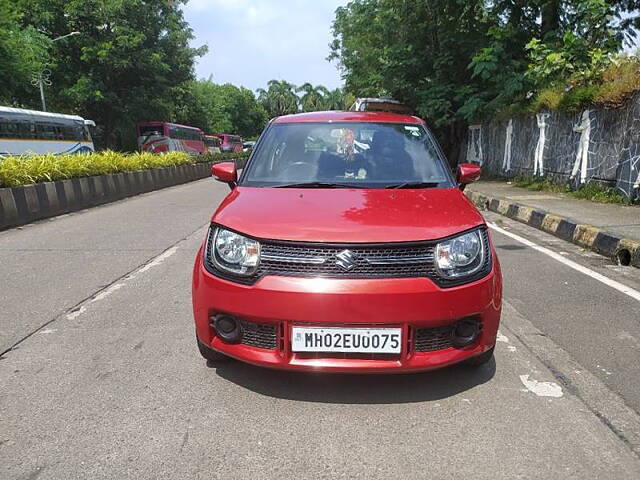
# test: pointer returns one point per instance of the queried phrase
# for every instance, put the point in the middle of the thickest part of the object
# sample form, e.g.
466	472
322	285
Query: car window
373	155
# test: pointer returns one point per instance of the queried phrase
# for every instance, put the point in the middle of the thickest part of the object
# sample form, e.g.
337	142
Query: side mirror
467	173
225	172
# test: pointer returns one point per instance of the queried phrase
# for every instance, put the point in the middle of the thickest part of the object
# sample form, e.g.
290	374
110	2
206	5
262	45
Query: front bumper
408	303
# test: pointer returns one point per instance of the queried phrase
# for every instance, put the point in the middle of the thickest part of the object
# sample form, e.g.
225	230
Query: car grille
367	262
432	339
259	335
302	259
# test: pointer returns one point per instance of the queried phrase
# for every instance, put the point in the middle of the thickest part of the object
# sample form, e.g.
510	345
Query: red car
347	246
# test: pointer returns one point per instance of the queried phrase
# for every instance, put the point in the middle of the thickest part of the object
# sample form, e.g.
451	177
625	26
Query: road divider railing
625	251
43	186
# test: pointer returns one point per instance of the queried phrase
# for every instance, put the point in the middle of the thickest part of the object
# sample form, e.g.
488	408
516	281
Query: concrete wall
549	145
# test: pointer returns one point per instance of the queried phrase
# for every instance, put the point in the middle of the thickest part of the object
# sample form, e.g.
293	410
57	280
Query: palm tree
313	98
335	100
279	98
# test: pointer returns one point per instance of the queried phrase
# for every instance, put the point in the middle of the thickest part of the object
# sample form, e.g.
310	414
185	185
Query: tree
23	52
457	61
337	99
221	108
279	98
313	98
416	52
130	62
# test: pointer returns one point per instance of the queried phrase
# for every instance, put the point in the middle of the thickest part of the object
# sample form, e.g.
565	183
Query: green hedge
29	169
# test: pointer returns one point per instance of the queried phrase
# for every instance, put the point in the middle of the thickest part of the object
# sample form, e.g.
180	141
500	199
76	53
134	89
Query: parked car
247	146
326	257
230	143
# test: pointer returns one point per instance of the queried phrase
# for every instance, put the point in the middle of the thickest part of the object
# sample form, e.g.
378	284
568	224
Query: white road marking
155	262
502	338
542	389
570	263
47	331
511	348
117	286
76	313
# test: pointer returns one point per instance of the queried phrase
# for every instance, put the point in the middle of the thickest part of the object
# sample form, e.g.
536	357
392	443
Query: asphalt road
101	377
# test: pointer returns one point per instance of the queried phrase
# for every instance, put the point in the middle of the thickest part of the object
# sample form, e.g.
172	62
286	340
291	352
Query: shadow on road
354	389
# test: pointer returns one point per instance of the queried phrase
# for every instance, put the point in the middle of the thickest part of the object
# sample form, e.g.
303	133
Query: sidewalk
612	230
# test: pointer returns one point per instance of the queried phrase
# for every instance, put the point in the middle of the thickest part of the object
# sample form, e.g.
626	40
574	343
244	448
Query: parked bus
161	137
230	143
212	143
32	132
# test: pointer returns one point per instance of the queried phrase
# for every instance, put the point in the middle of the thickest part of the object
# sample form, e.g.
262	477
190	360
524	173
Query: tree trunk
550	17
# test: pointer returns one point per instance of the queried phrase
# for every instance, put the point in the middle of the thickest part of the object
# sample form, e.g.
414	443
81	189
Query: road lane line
570	263
81	307
117	286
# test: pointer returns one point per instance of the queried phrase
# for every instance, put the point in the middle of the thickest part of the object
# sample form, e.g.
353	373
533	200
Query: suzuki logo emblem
346	260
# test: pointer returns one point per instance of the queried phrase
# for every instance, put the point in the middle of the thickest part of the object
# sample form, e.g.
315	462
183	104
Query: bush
578	98
25	170
619	82
610	86
549	99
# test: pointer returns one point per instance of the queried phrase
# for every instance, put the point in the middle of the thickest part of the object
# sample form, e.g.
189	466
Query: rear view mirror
467	173
225	172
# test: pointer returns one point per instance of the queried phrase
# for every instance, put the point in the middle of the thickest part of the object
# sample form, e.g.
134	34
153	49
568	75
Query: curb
625	251
28	203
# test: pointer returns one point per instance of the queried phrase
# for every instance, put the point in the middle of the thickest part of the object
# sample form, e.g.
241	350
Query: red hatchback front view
347	246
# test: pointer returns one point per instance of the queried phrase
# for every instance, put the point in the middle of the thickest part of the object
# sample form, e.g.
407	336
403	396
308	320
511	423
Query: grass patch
538	184
595	193
29	169
590	191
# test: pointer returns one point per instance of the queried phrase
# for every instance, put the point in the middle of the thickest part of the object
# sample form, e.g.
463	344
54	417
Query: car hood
347	215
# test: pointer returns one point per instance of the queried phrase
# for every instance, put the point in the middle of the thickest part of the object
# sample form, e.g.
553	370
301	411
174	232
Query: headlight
461	256
234	253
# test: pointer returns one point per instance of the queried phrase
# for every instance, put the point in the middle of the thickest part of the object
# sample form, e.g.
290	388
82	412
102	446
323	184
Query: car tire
210	354
481	359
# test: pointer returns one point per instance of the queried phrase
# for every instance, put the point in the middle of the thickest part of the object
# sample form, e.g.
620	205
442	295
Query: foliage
619	82
221	109
549	98
25	170
130	62
459	61
570	63
312	99
23	52
279	98
590	191
595	193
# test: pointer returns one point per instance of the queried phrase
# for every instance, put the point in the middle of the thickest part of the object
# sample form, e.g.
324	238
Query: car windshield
364	155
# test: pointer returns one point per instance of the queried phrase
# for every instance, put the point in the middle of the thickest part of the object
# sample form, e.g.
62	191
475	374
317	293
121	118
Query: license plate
349	340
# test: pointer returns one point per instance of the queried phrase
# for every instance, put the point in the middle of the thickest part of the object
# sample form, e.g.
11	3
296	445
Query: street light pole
65	36
42	78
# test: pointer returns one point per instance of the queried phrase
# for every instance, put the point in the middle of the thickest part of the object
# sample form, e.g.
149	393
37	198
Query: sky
253	41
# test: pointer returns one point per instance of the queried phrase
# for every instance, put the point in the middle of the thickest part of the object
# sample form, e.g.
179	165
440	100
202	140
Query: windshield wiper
413	185
319	185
